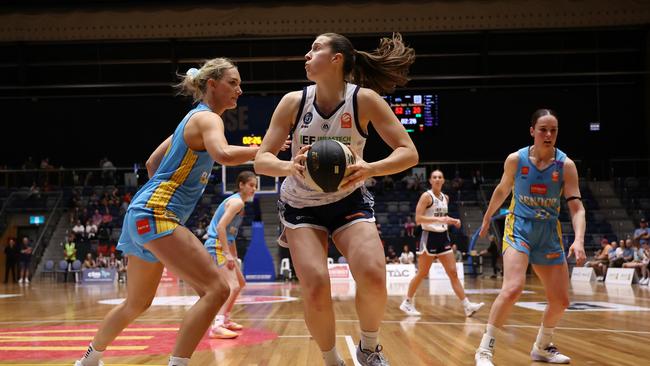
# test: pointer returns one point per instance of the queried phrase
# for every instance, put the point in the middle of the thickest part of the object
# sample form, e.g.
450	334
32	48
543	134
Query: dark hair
539	114
243	177
381	70
437	170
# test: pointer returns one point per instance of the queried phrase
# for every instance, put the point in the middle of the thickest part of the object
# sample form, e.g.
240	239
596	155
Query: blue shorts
540	240
142	226
216	251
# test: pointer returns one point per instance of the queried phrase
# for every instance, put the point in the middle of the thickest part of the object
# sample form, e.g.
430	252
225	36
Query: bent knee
511	293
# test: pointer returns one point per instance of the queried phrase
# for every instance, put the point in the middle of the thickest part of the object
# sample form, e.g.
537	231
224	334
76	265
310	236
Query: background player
225	224
431	213
537	175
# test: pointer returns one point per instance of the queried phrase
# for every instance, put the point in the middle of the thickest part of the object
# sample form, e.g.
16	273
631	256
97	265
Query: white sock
178	361
369	340
488	340
409	299
226	318
219	320
92	356
332	357
466	302
544	337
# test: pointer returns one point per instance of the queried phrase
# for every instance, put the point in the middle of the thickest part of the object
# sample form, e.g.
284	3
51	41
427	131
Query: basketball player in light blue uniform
153	233
538	176
225	224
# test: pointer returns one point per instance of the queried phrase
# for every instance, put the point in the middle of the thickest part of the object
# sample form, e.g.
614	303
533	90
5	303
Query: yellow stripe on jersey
163	194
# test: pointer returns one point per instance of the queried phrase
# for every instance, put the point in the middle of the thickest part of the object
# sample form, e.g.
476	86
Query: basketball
326	164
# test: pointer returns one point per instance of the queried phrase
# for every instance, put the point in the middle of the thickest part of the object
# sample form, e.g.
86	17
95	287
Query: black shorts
331	218
434	243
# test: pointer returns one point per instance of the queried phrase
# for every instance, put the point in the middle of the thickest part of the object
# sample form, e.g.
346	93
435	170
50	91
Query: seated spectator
457	184
391	256
79	230
600	262
199	231
93	201
409	227
107	219
642	234
640	263
410	182
89	262
494	252
102	261
407	256
91	230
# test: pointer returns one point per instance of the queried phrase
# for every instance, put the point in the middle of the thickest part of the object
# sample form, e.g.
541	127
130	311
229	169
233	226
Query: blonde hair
194	82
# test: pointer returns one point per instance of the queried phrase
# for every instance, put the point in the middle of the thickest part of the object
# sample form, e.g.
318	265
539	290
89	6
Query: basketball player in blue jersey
223	229
431	213
153	234
538	176
334	108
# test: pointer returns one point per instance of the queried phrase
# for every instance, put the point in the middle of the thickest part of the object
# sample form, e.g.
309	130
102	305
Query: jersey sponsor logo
553	255
537	201
143	226
306	120
538	189
555	176
308	140
346	120
325	126
524	170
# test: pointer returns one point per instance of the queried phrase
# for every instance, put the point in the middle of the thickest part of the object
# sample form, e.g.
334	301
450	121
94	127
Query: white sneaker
549	354
600	278
483	357
644	281
26	280
20	280
472	308
409	308
78	363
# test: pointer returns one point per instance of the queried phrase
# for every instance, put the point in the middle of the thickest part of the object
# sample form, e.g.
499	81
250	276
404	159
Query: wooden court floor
51	324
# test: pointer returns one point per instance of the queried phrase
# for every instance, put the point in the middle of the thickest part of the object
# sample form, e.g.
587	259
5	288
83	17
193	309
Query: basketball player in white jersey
431	214
334	108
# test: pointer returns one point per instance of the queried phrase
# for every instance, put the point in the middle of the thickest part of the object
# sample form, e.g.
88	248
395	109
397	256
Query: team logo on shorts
204	178
306	120
346	120
553	255
143	226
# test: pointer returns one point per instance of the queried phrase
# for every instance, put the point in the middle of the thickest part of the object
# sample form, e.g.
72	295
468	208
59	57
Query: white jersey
312	125
438	208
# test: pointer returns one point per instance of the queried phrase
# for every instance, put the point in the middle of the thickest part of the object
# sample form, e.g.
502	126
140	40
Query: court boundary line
68	321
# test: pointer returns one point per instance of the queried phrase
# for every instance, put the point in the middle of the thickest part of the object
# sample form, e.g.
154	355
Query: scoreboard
417	112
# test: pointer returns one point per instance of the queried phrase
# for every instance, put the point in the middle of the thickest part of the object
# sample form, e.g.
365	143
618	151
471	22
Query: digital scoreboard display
417	112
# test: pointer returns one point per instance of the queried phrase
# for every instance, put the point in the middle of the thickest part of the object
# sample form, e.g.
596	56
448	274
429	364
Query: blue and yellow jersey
171	194
536	193
232	228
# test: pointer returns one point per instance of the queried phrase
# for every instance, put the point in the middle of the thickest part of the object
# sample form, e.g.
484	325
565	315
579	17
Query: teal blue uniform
213	244
532	226
169	197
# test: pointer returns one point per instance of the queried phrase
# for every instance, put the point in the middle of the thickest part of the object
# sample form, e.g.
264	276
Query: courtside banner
98	275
